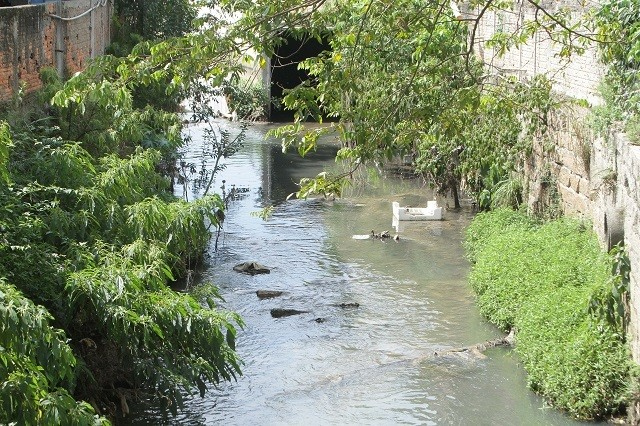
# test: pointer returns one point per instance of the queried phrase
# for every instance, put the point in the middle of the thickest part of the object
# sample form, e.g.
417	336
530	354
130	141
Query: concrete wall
31	37
596	178
615	186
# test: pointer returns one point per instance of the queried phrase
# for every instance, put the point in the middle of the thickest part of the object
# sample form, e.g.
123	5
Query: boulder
280	312
268	294
251	268
348	305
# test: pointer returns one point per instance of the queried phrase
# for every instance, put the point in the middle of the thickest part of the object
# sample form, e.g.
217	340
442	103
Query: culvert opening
284	69
614	227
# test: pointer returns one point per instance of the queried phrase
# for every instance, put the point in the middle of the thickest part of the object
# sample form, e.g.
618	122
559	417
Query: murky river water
370	365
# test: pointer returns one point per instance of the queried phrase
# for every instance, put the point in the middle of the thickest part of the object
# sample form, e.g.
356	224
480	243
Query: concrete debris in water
382	235
375	236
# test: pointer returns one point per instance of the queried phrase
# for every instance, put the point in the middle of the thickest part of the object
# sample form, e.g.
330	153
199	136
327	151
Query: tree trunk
454	193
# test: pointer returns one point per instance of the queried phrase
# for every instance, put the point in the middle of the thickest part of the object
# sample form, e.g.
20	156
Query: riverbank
542	279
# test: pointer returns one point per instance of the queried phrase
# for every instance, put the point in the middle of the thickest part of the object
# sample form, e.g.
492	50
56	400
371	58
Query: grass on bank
540	279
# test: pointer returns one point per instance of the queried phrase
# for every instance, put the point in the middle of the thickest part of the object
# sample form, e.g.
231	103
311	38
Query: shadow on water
289	168
370	364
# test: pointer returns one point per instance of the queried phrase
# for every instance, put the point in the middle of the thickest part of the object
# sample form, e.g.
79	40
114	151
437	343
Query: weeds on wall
618	25
611	301
609	180
499	139
607	118
584	152
549	204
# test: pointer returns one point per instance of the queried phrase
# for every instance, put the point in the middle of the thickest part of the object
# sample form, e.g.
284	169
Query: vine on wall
619	27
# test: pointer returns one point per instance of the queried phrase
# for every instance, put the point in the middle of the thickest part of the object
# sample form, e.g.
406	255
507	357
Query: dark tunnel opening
285	73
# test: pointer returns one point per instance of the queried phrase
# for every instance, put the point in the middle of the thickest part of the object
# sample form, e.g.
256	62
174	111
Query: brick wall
32	38
578	77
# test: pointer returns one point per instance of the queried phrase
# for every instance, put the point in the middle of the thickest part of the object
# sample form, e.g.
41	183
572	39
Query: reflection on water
368	365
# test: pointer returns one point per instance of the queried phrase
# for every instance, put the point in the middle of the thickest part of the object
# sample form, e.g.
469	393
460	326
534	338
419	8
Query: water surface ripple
370	365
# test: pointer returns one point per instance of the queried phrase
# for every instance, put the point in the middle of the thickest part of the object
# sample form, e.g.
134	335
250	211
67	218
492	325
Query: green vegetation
154	20
36	365
402	82
139	21
90	239
551	283
401	79
249	100
90	235
618	23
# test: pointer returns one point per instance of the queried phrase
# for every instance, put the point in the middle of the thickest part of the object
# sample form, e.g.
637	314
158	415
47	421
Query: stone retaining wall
615	213
596	178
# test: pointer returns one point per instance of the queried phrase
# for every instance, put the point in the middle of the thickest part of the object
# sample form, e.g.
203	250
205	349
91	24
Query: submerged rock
348	305
280	312
251	268
268	294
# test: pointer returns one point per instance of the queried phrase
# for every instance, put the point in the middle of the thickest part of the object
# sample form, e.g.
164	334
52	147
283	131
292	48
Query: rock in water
268	294
251	268
279	312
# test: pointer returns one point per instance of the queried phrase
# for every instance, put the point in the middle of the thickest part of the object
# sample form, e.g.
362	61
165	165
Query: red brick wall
28	40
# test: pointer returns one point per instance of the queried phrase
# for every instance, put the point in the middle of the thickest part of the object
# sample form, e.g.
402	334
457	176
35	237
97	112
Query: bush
249	101
90	240
539	279
36	364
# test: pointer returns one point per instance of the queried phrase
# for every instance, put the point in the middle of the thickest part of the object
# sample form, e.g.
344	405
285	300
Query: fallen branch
478	348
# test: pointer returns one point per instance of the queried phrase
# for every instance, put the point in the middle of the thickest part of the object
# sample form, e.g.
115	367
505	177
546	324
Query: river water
370	365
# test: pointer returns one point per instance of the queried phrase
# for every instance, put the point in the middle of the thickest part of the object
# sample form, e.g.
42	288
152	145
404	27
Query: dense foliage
402	82
155	19
401	79
396	79
141	21
90	240
544	280
37	366
619	27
